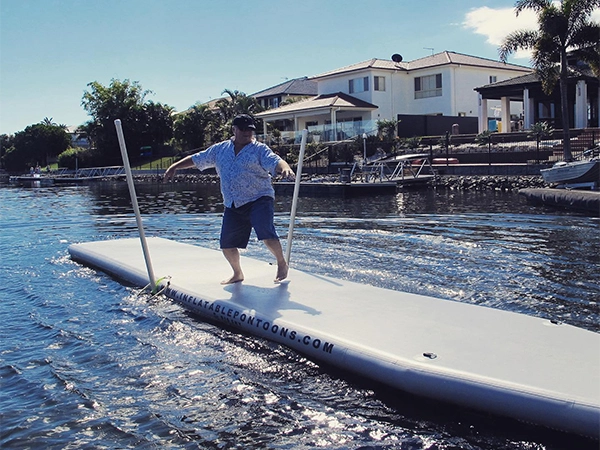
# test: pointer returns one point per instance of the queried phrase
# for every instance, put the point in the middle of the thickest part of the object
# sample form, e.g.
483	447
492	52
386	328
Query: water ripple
86	362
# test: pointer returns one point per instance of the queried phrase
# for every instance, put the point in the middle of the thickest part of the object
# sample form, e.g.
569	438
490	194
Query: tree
192	128
485	138
412	143
387	129
144	123
75	157
539	131
237	103
6	143
291	100
157	123
49	121
35	145
562	27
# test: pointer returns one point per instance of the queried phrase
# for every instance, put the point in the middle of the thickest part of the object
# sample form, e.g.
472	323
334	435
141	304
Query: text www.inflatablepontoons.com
233	316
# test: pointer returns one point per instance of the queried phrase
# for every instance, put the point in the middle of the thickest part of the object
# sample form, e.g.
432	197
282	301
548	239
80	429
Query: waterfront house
441	87
583	93
78	137
288	91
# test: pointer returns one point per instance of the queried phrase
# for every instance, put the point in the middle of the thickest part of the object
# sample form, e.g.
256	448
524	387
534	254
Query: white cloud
496	24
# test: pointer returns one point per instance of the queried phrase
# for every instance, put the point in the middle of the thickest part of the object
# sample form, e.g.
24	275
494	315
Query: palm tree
237	103
387	129
539	131
48	121
563	27
485	138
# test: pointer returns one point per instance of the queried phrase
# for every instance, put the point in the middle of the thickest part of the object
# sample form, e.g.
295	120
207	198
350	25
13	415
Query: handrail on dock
93	172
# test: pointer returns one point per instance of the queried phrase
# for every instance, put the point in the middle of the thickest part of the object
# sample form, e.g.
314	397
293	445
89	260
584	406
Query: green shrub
75	157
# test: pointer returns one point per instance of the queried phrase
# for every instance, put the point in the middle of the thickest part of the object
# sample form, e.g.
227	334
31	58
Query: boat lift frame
384	169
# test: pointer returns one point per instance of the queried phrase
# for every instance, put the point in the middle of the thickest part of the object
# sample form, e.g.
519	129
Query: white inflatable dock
508	364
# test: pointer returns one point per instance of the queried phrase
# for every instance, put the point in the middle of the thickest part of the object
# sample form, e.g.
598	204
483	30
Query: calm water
86	362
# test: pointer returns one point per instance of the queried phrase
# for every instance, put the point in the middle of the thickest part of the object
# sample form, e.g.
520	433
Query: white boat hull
573	172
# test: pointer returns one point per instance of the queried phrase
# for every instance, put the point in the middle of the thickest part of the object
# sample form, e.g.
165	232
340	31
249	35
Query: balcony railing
342	131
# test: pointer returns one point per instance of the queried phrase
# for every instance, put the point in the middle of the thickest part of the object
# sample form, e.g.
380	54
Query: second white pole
136	208
288	250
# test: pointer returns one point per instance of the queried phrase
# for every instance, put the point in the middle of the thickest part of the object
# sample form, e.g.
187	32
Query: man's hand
169	174
285	170
288	173
184	163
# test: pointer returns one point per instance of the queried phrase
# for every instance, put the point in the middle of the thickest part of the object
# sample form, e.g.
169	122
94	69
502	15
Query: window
493	79
428	86
274	102
546	110
379	83
358	85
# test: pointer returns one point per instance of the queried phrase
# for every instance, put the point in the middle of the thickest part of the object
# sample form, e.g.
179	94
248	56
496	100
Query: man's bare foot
233	279
282	272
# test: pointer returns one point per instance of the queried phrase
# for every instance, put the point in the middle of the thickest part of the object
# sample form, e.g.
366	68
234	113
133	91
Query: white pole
134	202
288	249
364	136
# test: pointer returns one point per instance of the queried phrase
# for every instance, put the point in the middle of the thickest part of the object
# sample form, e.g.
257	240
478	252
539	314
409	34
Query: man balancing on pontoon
245	167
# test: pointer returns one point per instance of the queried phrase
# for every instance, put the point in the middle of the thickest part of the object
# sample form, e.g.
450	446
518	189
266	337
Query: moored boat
581	173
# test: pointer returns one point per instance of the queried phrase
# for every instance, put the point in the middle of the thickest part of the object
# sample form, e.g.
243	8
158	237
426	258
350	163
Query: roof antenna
397	58
429	48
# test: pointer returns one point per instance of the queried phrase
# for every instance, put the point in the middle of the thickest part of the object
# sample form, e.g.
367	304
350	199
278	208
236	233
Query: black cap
244	121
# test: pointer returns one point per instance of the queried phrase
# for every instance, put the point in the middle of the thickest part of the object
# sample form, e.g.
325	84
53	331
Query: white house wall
336	84
383	99
431	105
458	94
403	84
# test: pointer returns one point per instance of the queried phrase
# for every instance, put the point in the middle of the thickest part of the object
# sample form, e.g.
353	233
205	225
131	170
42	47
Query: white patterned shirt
245	177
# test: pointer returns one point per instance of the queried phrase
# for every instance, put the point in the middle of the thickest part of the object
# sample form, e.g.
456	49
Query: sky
190	51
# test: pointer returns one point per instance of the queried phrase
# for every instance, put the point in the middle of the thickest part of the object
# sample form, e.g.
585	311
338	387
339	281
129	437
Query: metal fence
501	148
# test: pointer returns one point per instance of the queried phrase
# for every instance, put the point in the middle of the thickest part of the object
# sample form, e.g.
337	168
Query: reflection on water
86	362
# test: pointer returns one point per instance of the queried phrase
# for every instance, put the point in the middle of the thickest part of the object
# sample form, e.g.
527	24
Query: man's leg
232	255
261	218
274	246
235	232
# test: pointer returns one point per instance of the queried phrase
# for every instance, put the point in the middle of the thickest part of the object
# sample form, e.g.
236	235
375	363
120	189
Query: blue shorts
238	223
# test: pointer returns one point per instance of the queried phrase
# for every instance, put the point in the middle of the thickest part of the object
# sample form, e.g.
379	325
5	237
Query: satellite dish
396	58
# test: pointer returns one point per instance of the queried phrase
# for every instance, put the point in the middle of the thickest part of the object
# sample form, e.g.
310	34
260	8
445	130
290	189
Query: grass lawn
160	163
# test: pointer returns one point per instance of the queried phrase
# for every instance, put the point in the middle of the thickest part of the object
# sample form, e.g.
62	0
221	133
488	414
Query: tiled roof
446	57
581	71
369	64
575	72
521	80
339	99
298	86
336	100
439	59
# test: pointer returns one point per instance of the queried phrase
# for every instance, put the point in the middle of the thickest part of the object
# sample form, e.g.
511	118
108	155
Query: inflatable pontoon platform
527	368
